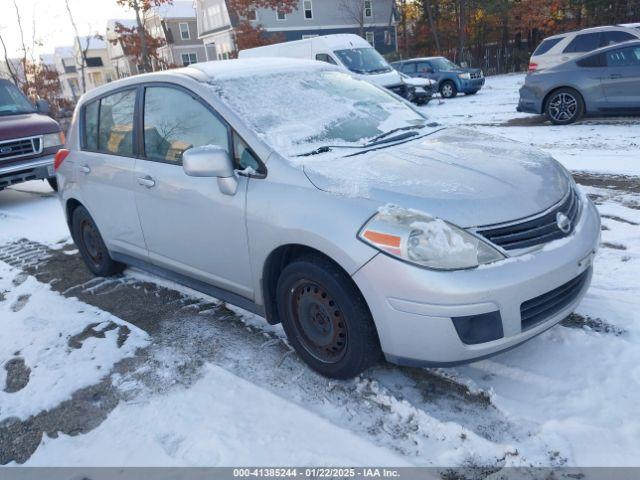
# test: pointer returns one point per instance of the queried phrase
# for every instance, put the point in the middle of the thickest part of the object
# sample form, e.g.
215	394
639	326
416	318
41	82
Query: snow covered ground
139	371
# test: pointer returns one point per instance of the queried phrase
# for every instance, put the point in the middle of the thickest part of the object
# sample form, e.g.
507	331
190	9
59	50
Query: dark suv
29	138
452	79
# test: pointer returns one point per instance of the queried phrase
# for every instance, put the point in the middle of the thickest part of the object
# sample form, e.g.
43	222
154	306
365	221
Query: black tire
94	252
326	319
472	93
53	183
448	89
564	106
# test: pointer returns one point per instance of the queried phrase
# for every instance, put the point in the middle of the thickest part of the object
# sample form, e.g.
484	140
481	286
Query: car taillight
533	67
59	158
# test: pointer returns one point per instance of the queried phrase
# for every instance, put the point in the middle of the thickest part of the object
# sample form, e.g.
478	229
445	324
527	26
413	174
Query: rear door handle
85	169
147	181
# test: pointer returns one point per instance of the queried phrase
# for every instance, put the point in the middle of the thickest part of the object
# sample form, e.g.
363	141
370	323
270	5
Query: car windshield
298	111
443	64
363	60
12	101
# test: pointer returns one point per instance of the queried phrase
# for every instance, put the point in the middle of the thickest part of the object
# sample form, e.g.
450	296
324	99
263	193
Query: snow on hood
460	175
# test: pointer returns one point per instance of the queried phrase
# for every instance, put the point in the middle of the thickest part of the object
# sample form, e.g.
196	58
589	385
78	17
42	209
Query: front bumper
34	169
530	101
413	312
473	85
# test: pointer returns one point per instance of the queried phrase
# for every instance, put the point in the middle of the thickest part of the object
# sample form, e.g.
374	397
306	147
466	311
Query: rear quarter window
547	45
610	38
585	42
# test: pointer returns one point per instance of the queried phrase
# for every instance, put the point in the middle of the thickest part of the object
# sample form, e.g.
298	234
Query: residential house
176	25
97	70
65	63
123	64
374	20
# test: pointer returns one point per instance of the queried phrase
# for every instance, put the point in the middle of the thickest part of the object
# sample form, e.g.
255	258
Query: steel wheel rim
563	107
91	242
319	322
447	90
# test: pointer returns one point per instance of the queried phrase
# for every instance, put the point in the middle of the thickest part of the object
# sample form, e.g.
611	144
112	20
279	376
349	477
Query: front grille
19	148
475	75
536	231
539	309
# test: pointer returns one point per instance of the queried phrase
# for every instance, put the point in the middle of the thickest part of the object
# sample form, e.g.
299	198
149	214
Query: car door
621	79
426	70
190	226
106	170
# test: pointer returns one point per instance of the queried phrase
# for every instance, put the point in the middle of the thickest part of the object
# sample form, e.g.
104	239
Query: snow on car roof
257	66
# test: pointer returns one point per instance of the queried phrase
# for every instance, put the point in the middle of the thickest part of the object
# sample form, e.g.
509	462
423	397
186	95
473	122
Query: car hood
26	125
462	176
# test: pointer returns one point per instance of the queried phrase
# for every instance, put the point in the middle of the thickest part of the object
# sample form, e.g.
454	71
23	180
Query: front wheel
564	106
448	89
91	246
326	319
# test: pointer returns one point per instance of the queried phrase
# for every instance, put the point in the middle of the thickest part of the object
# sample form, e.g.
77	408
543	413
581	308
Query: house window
387	37
371	38
368	8
184	31
252	15
281	15
308	9
189	58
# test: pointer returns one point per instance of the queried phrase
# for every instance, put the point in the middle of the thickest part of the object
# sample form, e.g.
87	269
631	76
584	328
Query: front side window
308	10
189	58
424	68
338	109
409	68
368	9
115	127
252	15
363	60
174	121
184	31
323	57
610	38
584	43
625	57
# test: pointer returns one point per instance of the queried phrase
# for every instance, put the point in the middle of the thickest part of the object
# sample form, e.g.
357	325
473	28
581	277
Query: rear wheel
564	106
448	89
326	319
53	183
91	246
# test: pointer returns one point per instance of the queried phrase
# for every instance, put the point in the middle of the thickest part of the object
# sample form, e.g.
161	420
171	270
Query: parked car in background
605	81
424	89
349	51
567	46
328	208
451	79
29	138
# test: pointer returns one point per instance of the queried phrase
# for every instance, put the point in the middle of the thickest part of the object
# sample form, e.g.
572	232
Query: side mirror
464	64
211	161
42	106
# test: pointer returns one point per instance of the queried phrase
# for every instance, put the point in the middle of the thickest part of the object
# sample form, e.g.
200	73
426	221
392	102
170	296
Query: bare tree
83	51
23	59
353	11
7	61
432	25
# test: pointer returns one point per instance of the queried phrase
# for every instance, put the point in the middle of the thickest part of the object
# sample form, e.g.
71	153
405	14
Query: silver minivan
319	200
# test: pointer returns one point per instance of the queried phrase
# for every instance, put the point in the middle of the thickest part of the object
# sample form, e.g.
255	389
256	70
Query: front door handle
86	169
147	181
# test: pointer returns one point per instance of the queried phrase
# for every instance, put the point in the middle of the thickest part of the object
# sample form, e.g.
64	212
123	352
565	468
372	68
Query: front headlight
465	76
424	240
52	140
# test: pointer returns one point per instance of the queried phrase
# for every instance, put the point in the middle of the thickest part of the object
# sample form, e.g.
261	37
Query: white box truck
351	52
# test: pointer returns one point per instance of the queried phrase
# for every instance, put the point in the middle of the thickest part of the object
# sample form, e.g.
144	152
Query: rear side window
424	67
409	68
584	43
115	128
91	125
610	38
175	121
547	45
598	60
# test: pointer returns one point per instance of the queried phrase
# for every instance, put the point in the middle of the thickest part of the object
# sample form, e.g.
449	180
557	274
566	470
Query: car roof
604	28
417	59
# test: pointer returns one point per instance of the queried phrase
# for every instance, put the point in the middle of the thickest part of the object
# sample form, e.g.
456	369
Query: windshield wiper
399	129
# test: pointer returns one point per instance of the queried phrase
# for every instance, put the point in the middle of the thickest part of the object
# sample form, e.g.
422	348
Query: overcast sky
52	25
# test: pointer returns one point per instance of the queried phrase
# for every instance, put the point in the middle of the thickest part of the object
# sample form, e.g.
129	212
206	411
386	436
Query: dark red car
29	138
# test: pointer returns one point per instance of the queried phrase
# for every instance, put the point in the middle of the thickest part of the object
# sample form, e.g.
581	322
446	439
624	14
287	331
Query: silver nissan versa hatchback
318	200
